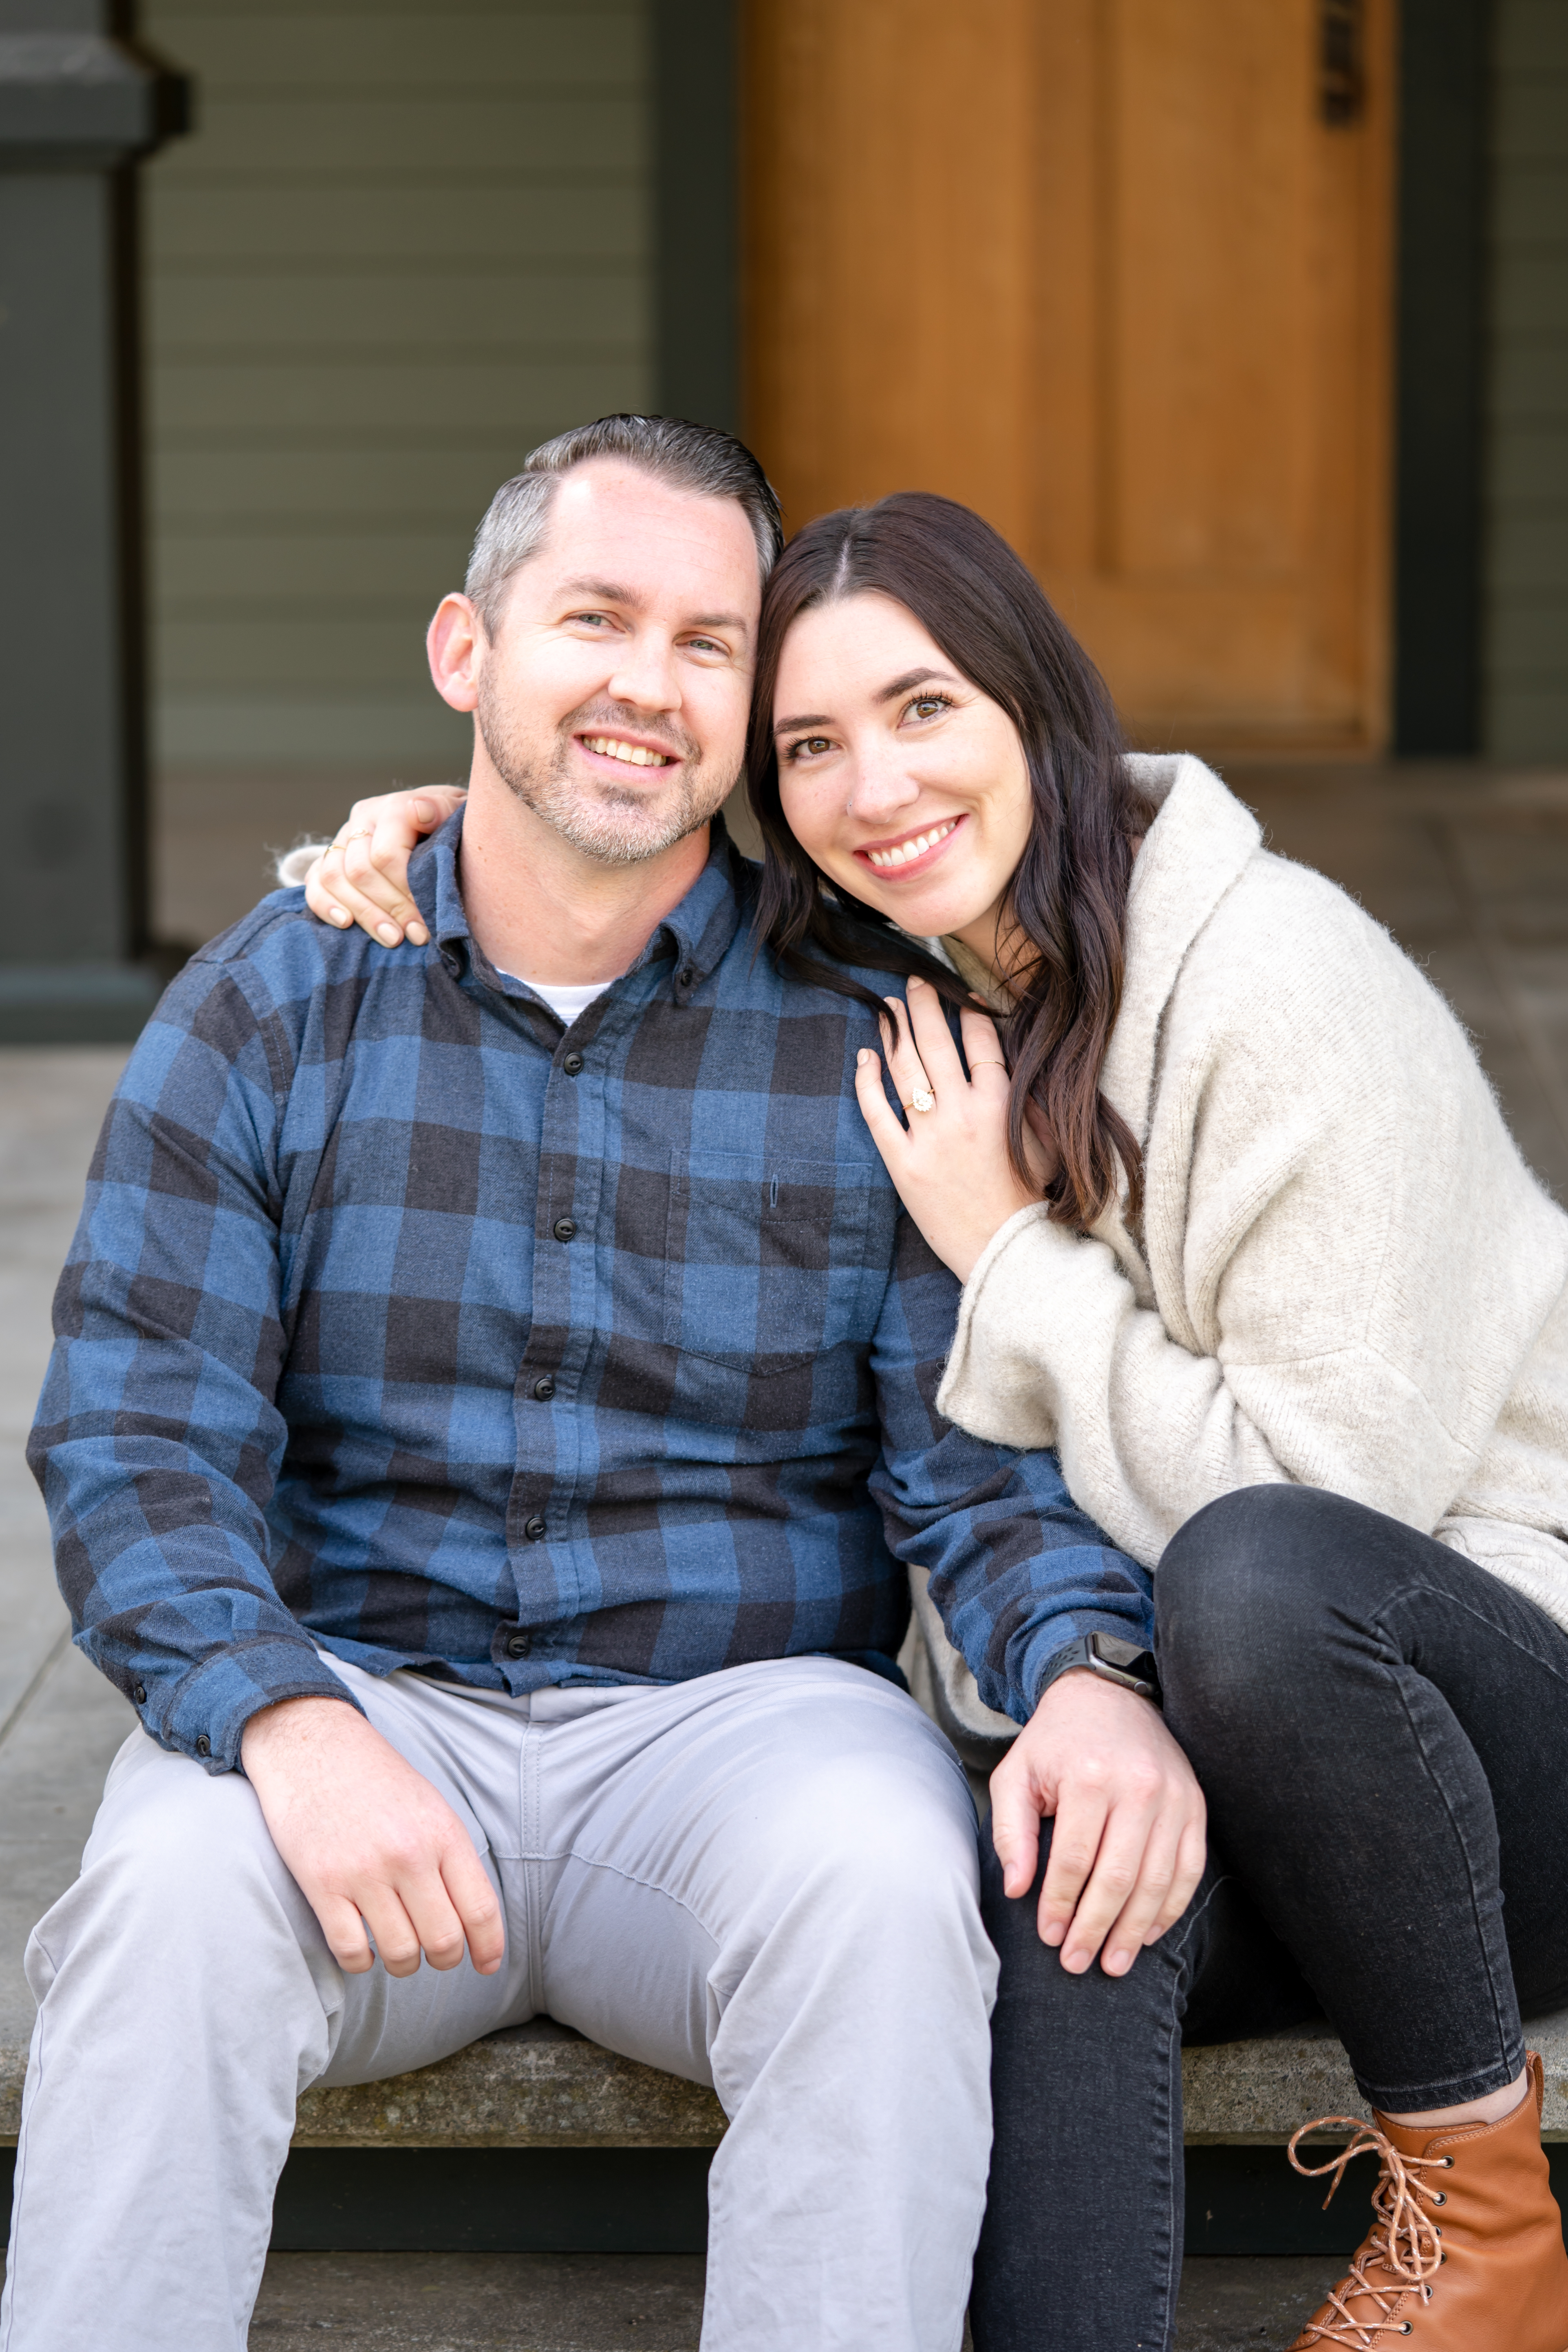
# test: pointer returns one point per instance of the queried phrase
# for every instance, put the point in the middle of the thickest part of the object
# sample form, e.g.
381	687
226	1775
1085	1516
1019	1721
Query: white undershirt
566	1000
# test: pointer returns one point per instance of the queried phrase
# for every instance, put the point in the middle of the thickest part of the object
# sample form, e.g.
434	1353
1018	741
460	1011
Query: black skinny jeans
1381	1729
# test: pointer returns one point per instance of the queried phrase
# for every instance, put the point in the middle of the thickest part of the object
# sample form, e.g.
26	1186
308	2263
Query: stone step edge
544	2085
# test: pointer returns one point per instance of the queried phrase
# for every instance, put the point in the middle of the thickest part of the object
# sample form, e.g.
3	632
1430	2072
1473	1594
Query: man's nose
644	674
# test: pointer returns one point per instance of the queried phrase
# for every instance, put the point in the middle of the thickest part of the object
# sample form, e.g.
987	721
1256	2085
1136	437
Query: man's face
612	698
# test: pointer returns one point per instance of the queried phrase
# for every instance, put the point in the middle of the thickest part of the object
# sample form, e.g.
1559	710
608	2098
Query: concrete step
540	2084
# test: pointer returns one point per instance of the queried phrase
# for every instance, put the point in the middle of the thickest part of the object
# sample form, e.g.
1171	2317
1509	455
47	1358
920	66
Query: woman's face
901	781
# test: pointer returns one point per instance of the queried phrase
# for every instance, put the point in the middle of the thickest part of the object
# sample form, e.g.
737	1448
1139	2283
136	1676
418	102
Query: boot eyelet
1438	2198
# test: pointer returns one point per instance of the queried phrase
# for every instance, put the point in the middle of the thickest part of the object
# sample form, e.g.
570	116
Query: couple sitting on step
522	1351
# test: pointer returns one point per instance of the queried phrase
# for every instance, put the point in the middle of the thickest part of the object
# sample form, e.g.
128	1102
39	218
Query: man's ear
456	645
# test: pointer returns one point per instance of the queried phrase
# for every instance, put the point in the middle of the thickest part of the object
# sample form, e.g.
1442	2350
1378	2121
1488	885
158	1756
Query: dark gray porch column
78	106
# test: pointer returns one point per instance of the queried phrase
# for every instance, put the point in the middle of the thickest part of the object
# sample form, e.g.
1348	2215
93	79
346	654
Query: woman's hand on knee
1130	1836
361	875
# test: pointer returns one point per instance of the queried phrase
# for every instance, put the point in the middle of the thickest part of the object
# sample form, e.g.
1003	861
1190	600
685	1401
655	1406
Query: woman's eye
927	705
811	746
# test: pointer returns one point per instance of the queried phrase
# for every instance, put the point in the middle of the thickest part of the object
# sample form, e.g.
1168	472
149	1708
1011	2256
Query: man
488	1426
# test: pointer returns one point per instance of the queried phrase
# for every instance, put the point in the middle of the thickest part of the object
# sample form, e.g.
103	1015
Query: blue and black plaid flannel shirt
402	1323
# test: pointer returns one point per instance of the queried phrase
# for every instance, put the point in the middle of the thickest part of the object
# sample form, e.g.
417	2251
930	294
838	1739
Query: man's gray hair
693	457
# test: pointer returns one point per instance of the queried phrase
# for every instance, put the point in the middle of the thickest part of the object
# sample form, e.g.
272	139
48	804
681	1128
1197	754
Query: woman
1243	1235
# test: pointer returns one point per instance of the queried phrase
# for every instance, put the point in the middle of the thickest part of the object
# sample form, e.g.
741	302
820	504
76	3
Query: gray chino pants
765	1879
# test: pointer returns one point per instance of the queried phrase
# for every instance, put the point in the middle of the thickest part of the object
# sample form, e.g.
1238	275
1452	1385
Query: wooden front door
1115	272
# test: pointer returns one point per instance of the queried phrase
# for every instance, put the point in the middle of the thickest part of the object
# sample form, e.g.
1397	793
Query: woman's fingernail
338	914
862	1058
915	981
1118	1963
1054	1935
421	939
388	934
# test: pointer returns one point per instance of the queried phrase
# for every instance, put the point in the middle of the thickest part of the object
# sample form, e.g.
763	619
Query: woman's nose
881	786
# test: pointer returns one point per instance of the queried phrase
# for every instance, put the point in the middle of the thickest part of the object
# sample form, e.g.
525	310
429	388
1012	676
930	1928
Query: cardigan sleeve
1053	1349
1347	1266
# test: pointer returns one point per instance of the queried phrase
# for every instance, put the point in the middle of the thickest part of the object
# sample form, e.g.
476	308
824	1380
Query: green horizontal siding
1526	588
404	245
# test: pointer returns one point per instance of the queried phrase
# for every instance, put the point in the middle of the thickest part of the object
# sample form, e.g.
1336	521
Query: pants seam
1434	1779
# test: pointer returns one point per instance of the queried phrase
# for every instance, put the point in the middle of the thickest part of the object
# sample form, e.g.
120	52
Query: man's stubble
601	822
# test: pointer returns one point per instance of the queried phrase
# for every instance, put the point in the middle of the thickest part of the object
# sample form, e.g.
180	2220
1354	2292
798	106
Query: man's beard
616	828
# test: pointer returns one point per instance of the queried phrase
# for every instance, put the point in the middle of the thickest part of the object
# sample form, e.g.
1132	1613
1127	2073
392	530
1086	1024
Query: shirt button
544	1389
534	1530
517	1645
139	1693
563	1228
686	975
572	1064
203	1746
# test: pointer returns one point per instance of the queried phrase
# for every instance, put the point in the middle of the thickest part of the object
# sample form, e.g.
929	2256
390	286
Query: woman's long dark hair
1062	927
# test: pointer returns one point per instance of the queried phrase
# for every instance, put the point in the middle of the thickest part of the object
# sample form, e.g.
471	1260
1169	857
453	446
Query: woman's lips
914	861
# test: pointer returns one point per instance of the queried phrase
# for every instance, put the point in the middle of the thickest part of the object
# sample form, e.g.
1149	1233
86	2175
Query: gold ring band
990	1062
361	833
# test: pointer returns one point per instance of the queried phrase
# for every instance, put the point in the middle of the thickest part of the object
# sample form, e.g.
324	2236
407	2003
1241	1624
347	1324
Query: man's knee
883	1841
179	1860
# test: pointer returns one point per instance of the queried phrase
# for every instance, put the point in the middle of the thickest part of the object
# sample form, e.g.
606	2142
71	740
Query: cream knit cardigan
1345	1274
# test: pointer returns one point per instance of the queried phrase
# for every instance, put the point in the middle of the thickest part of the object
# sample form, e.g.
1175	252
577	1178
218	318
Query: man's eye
593	620
707	645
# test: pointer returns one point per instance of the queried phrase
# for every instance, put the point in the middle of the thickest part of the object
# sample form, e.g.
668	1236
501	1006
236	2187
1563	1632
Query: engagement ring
921	1100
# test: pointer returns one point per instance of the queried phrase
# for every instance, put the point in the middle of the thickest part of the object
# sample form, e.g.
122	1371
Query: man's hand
1130	1838
370	1843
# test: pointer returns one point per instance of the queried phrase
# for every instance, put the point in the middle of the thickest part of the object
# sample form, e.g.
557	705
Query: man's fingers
344	1931
477	1910
1129	1931
1015	1828
1191	1853
433	1919
1116	1871
1075	1847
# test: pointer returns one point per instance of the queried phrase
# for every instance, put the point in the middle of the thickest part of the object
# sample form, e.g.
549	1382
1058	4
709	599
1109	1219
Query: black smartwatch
1109	1657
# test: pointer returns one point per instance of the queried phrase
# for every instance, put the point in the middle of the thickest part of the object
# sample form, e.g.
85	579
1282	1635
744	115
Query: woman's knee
1252	1582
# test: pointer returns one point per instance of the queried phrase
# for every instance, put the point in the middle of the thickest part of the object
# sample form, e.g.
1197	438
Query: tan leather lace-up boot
1465	2253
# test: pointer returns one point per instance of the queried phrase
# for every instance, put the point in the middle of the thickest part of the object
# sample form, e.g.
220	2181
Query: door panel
1100	268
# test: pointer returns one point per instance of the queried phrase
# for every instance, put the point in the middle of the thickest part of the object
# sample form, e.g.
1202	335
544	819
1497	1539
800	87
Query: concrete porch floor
1470	870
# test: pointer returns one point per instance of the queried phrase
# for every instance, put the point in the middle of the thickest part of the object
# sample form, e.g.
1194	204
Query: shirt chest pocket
765	1264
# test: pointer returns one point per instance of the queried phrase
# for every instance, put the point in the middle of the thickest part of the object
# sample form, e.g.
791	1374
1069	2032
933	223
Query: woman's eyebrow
884	694
914	678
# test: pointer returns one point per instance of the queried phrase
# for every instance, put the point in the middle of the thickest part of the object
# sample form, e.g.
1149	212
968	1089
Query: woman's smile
912	853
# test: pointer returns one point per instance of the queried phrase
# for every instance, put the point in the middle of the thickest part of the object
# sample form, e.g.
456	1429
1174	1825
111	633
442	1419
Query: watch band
1112	1659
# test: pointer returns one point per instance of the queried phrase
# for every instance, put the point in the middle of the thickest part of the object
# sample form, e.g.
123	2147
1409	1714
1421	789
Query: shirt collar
697	933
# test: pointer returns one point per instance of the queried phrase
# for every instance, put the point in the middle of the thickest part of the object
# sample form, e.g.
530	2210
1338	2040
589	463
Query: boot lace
1403	2242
